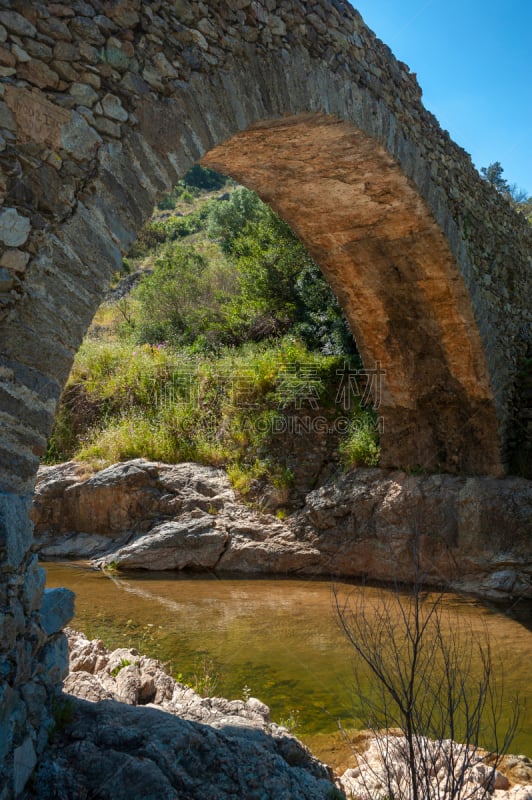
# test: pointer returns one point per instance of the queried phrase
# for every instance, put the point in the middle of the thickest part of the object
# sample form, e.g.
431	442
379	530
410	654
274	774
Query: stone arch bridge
104	104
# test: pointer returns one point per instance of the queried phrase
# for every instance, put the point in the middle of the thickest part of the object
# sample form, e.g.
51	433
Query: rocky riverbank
125	728
472	533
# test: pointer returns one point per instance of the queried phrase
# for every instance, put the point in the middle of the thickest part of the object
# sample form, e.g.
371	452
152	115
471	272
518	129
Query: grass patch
360	446
126	401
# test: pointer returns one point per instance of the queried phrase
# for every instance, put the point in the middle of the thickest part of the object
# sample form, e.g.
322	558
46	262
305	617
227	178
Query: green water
279	638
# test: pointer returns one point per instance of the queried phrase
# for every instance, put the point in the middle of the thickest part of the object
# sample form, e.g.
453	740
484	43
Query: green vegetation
230	329
206	677
360	445
292	720
240	276
126	401
124	662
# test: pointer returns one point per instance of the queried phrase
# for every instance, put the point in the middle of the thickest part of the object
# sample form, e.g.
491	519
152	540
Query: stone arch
413	198
105	104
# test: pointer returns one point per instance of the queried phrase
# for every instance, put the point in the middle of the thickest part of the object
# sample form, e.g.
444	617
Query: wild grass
125	401
360	446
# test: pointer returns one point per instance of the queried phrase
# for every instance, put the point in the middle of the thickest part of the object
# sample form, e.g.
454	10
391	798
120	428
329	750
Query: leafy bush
167	203
182	301
230	218
281	289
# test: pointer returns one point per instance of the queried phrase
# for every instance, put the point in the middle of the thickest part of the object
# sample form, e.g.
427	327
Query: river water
276	639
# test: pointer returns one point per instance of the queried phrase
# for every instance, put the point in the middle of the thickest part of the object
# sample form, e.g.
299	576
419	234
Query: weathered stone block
6	280
7	632
112	107
57	609
15	260
33	591
16	23
39	74
84	94
14	227
35	698
12	718
15	528
79	139
53	661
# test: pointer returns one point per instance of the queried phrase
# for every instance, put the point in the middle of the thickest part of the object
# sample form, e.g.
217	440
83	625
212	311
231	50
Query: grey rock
86	687
79	139
18	24
53	660
20	54
34	695
84	94
33	590
180	744
57	609
6	280
142	515
15	528
6	118
14	227
23	762
192	543
15	260
112	107
8	633
384	763
12	716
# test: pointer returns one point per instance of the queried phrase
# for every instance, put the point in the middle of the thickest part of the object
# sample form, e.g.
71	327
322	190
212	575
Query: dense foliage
260	284
229	303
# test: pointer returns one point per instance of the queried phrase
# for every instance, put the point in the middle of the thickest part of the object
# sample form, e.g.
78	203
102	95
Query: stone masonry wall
104	104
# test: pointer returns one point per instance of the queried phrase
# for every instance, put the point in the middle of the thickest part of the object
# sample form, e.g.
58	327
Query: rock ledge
473	534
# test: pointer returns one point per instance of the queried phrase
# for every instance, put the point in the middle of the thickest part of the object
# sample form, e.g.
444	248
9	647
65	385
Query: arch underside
391	268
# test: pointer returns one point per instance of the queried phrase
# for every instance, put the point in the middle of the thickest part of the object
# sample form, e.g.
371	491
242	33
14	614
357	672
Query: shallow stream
276	639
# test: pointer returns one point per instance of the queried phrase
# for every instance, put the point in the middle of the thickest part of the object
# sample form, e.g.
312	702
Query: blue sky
473	60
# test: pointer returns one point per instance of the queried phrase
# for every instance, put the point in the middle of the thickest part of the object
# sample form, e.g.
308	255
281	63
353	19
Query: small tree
493	174
519	198
434	703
